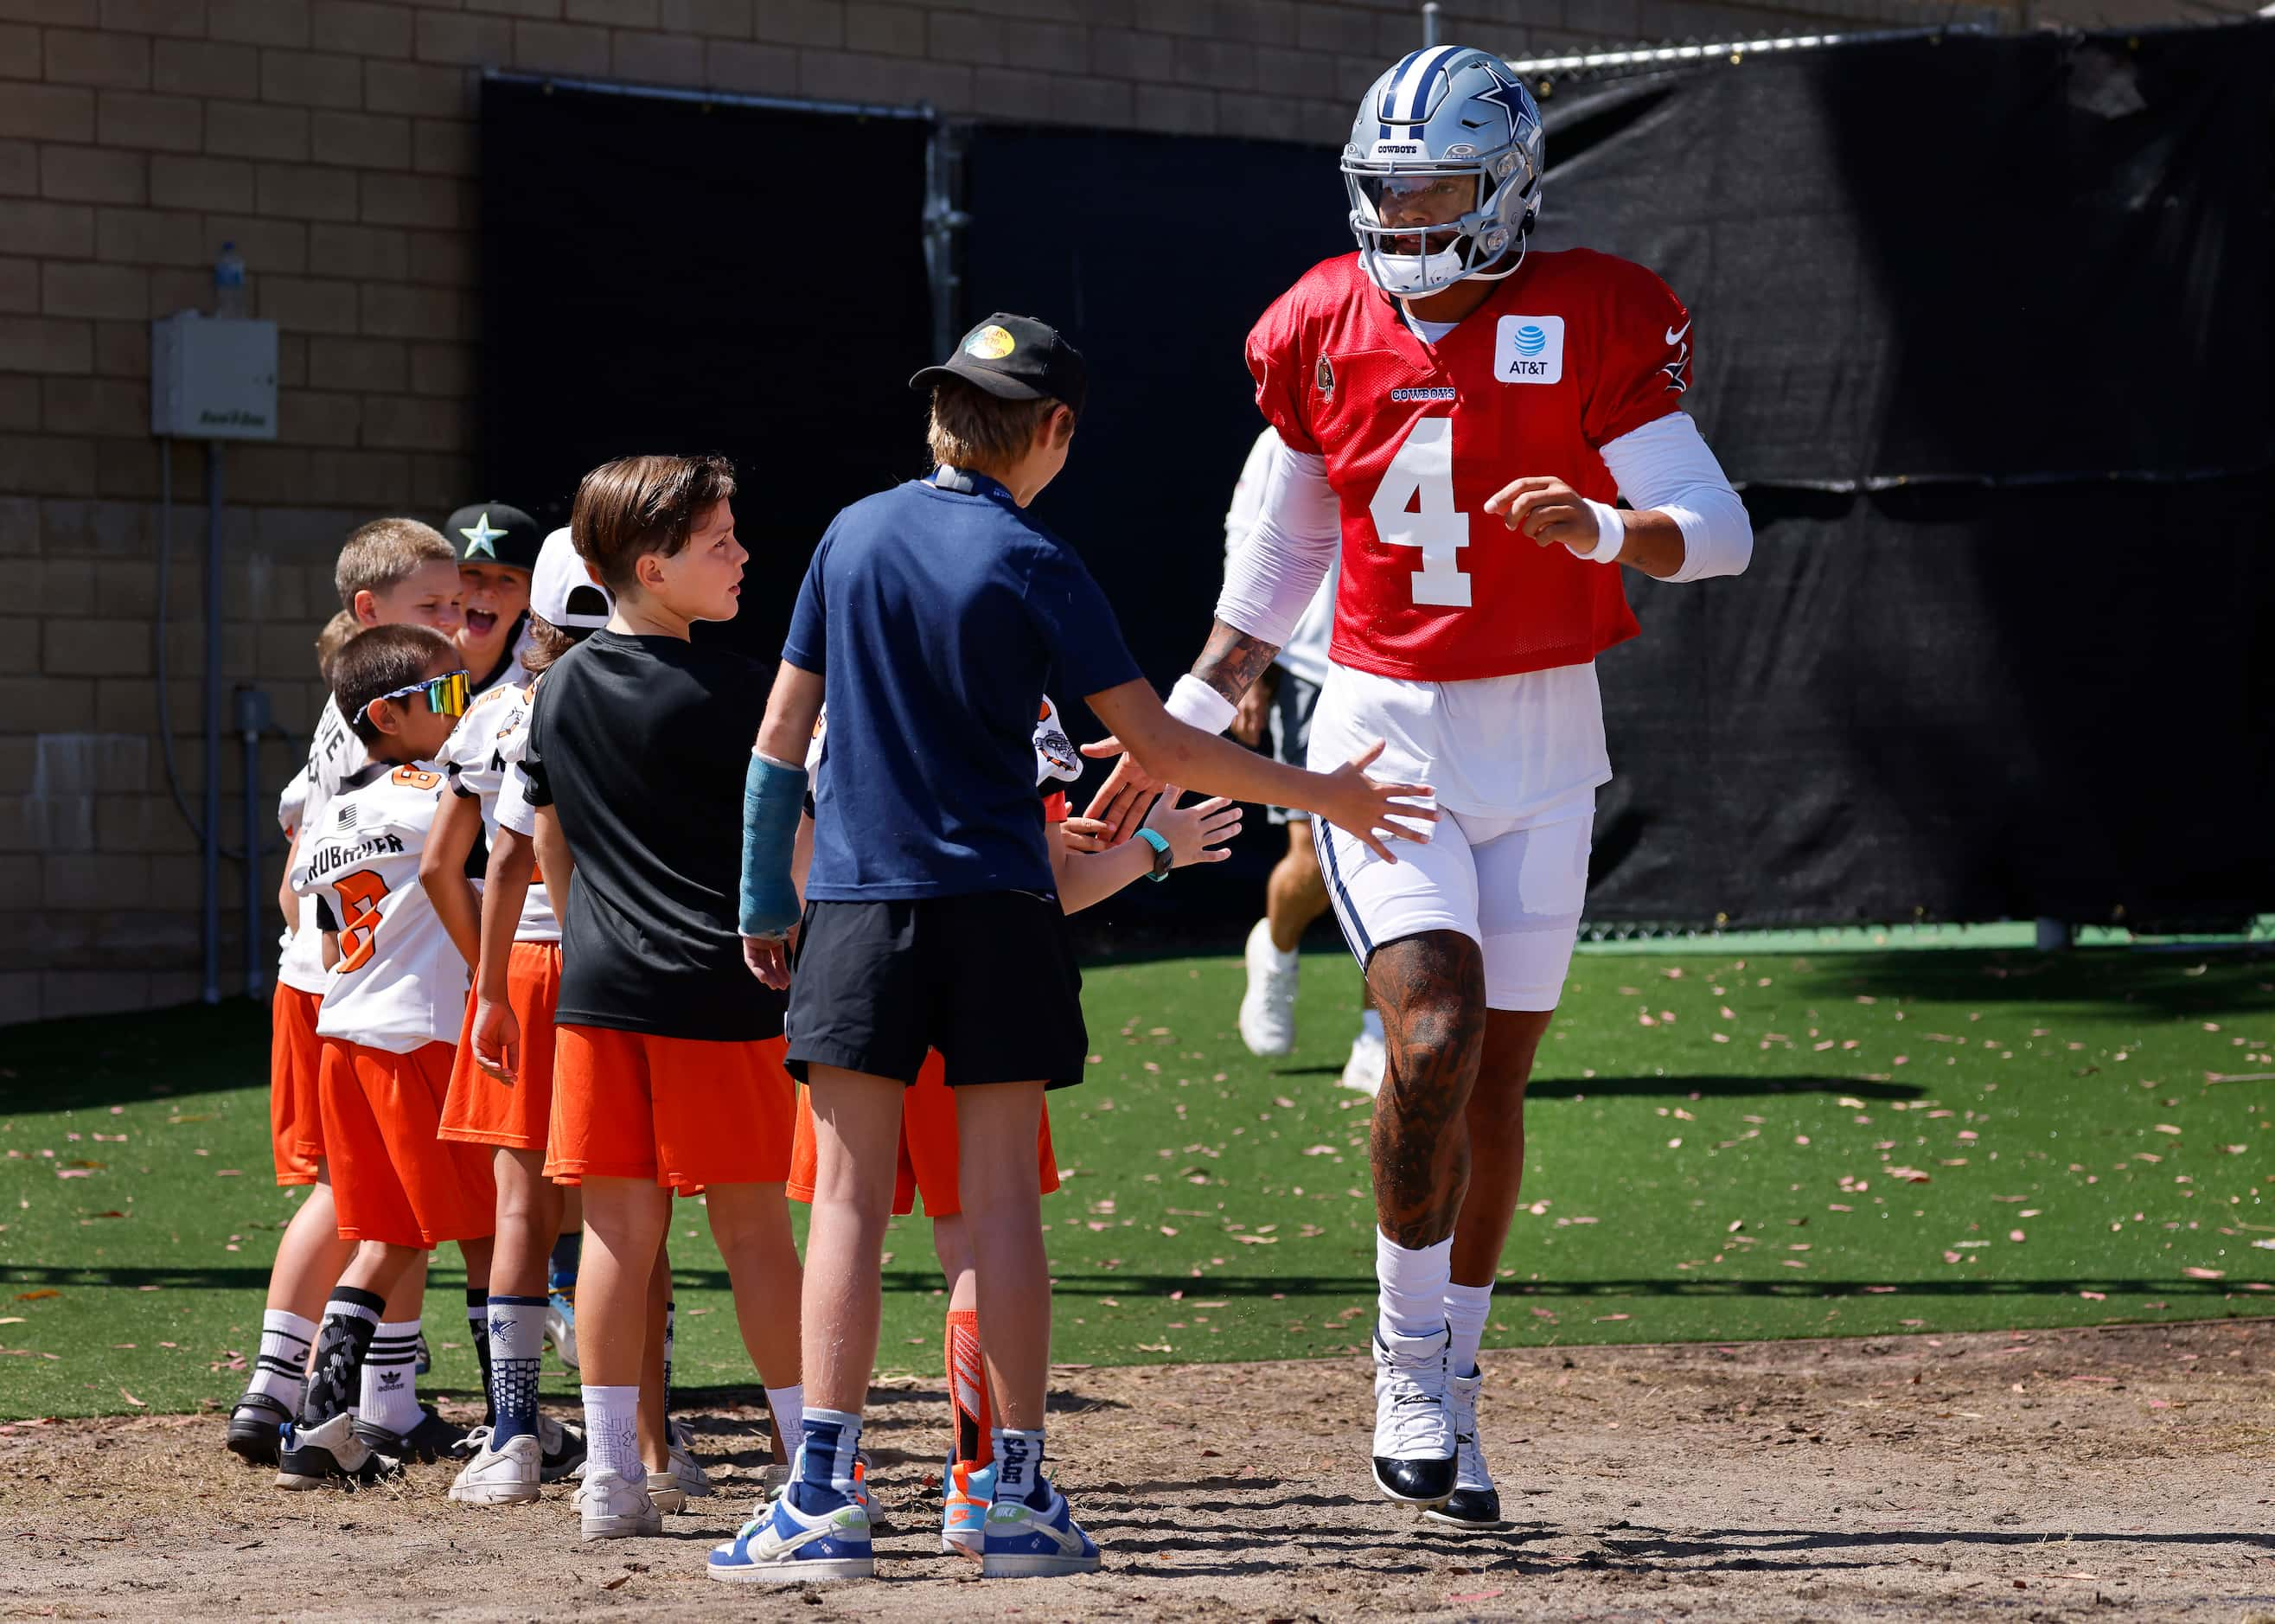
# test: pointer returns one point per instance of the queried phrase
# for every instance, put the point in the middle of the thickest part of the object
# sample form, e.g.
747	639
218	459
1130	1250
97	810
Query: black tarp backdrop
1154	254
1996	272
672	274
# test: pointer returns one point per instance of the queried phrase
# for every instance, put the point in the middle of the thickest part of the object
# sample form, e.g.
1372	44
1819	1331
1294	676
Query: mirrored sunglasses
447	695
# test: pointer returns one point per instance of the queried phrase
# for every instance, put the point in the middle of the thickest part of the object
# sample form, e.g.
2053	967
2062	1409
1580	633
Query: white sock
1292	959
1411	1294
789	1405
390	1377
282	1362
1467	1308
1018	1465
612	1433
1370	1021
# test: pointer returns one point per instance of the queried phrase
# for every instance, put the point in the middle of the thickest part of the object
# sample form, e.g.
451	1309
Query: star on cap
480	536
1507	95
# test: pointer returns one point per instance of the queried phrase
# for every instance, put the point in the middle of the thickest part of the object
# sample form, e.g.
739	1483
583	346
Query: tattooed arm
1268	583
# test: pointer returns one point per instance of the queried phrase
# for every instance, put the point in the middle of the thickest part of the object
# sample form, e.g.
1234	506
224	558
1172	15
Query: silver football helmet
1443	168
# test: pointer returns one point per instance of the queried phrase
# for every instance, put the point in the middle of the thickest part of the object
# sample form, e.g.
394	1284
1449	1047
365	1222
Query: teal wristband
1161	844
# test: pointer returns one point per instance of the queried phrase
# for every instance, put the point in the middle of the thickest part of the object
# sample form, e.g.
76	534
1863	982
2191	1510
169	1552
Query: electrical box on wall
213	380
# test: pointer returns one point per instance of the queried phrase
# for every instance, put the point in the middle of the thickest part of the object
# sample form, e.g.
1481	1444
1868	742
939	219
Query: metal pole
1430	25
943	224
248	731
212	924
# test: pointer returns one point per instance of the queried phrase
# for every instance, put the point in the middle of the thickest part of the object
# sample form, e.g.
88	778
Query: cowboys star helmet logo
480	537
1508	95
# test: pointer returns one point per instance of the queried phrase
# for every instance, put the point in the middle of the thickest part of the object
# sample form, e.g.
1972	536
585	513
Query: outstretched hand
1122	800
1196	833
1370	808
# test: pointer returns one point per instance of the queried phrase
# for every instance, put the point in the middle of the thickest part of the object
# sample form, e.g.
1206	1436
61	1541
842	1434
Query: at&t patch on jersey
1529	350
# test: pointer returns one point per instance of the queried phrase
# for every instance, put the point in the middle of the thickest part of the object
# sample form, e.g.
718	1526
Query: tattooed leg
1496	1136
1431	988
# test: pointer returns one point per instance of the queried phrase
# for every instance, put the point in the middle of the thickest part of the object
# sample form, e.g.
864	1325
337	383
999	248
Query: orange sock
967	1388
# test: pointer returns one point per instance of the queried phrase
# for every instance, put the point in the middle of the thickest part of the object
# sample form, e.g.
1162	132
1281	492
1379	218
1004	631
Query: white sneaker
1267	1009
1364	1069
693	1481
502	1476
611	1508
1413	1447
1475	1502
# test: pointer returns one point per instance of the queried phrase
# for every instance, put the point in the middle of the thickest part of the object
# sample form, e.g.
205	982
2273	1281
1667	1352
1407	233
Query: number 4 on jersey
1414	507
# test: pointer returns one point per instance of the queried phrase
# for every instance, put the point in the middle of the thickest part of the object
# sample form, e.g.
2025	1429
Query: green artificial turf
1721	1148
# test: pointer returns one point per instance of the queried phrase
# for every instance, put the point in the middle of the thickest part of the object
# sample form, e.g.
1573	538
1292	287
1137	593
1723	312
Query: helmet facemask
1409	248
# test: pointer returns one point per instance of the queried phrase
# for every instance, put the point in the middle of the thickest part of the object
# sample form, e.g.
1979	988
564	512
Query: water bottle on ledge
229	301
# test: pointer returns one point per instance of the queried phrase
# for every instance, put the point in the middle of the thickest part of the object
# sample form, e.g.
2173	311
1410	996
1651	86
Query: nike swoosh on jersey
1674	334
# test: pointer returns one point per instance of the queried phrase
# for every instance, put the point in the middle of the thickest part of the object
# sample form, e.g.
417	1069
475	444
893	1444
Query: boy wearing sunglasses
398	955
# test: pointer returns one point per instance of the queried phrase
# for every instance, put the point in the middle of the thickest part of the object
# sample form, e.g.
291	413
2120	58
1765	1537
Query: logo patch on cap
479	537
990	343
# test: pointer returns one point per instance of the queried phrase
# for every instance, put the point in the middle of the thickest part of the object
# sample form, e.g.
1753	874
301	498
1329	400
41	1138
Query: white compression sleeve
1269	583
1667	466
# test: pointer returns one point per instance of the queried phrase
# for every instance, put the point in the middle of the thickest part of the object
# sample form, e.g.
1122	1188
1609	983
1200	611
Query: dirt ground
2123	1473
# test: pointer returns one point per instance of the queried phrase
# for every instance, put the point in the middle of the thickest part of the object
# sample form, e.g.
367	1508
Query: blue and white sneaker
790	1546
965	1492
1024	1542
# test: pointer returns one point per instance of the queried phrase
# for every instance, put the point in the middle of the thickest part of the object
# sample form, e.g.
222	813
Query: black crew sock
336	1380
477	1318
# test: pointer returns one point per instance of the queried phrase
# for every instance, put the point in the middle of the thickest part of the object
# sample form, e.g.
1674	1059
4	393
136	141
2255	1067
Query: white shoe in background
1364	1069
1267	1009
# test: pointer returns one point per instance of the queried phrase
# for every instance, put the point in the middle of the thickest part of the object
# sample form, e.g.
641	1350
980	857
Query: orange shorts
392	1179
682	1111
482	1110
296	1120
928	1160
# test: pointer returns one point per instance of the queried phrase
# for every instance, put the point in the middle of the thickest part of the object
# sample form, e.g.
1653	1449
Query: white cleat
611	1508
1475	1503
1363	1070
1267	1009
507	1476
1414	1445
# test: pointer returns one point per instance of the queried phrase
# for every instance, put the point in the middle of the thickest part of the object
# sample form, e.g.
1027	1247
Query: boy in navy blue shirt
932	919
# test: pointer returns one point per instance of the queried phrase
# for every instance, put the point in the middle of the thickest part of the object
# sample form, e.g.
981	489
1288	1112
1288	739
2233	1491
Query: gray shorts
1290	735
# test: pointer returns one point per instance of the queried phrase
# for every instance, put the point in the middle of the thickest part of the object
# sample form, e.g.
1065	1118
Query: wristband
1197	705
1611	532
1161	858
774	795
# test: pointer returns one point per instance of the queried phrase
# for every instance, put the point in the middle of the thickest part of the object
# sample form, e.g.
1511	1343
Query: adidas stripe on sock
282	1362
334	1380
390	1377
967	1388
516	1334
670	1326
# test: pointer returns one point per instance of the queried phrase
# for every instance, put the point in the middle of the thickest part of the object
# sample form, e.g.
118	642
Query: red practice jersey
1575	350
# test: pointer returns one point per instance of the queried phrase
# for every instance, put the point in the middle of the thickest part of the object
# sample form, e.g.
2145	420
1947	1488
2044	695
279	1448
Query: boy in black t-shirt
667	1070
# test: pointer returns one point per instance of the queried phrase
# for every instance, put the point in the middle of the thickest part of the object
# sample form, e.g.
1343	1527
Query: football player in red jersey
1456	418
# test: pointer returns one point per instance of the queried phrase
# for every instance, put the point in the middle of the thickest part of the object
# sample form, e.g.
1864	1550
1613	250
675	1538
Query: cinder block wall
333	141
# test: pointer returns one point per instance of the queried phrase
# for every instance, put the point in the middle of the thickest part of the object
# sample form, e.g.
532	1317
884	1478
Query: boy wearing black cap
497	546
931	918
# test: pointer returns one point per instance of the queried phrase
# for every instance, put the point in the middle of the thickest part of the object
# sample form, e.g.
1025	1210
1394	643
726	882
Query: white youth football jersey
484	747
400	982
300	954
